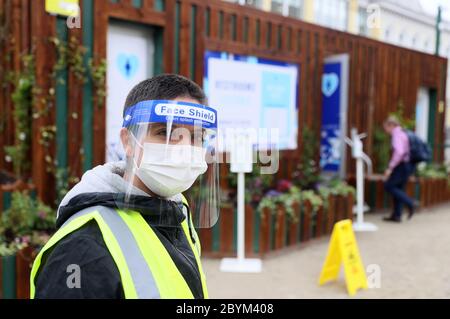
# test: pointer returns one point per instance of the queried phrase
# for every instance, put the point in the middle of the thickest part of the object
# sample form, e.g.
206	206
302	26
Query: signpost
241	163
255	95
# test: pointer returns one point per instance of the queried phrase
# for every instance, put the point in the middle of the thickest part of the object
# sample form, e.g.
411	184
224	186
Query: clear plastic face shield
171	149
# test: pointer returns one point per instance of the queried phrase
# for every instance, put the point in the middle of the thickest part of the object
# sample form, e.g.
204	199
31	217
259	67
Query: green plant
63	182
256	185
405	122
23	98
307	173
98	76
294	196
268	202
335	187
25	216
10	249
381	149
33	102
315	200
286	200
434	170
70	56
341	188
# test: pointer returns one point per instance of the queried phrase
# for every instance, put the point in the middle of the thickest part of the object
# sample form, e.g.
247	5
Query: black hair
164	87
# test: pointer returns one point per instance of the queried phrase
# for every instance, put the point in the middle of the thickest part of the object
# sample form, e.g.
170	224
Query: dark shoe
412	209
392	219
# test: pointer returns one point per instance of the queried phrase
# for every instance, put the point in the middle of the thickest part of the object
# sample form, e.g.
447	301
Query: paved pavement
414	261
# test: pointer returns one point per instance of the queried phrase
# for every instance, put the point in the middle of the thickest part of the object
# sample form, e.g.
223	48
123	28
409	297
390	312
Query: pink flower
258	182
284	185
42	215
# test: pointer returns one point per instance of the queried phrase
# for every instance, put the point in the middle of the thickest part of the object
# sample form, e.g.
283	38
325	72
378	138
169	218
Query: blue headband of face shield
162	111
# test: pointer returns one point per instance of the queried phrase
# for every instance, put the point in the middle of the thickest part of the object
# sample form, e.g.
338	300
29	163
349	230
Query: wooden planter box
429	191
269	231
15	274
306	222
350	201
330	218
264	240
221	240
279	228
294	226
320	223
8	277
15	269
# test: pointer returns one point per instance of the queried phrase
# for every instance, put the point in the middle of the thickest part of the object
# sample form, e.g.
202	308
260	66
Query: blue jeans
395	185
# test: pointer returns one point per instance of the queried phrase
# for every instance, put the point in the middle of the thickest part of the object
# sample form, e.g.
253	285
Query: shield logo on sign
330	83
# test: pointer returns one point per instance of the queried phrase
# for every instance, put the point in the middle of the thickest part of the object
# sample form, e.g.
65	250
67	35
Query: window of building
443	51
277	6
387	35
290	8
295	8
426	45
401	38
331	13
362	20
414	41
254	3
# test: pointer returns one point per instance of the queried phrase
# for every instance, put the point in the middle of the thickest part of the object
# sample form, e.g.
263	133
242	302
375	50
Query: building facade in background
407	23
404	23
327	13
413	24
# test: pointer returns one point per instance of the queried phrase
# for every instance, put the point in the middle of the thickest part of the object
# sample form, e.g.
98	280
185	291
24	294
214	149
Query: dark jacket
85	247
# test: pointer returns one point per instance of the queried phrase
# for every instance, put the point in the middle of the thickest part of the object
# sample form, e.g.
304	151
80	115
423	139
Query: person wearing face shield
127	230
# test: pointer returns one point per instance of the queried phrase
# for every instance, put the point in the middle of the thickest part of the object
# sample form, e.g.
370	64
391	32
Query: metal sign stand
241	163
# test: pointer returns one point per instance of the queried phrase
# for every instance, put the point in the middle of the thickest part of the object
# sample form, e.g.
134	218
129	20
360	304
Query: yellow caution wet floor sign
344	249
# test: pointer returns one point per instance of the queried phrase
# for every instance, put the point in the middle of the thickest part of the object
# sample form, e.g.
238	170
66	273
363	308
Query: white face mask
168	170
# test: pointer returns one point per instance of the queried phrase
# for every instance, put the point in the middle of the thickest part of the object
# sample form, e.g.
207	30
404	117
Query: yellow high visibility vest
146	268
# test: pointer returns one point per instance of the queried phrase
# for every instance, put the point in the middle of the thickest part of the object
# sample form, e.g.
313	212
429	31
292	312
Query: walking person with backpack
401	166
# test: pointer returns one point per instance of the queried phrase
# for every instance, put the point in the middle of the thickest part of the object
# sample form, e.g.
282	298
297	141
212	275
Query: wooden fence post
350	204
264	238
294	225
280	227
306	231
227	231
320	222
249	229
330	213
24	259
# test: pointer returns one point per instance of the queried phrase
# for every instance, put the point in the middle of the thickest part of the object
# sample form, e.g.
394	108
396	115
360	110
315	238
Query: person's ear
126	142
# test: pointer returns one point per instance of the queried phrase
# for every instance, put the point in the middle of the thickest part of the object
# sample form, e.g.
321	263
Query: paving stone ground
414	260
